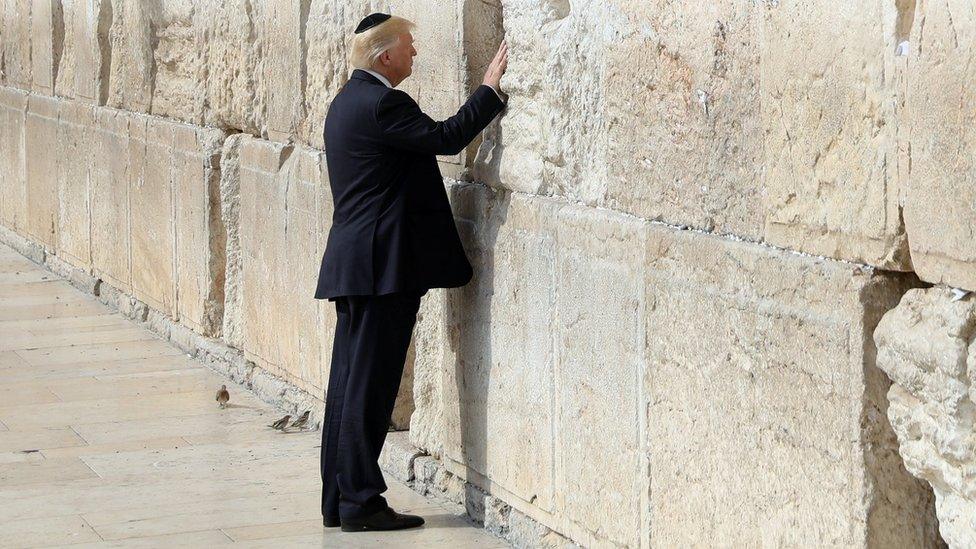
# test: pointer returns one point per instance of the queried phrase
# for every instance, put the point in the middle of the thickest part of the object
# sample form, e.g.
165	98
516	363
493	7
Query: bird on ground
222	396
281	423
301	421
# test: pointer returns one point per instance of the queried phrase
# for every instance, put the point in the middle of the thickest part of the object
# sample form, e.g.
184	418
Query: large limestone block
132	67
42	175
83	71
151	218
599	336
433	360
230	219
551	139
47	44
15	39
940	204
765	409
13	189
498	395
200	233
927	345
681	113
830	141
284	329
75	156
110	198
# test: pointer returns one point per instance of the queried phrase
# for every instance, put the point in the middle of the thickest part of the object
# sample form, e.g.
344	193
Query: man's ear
385	58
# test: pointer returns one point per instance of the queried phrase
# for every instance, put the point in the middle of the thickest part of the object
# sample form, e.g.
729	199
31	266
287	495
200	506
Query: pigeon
301	421
222	396
280	424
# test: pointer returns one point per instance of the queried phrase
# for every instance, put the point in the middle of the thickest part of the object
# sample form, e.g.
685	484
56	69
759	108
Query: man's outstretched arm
405	126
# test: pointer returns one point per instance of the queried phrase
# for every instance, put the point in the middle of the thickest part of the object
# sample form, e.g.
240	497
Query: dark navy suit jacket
392	226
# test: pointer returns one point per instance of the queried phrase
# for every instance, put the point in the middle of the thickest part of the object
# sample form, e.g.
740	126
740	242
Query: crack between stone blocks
731	237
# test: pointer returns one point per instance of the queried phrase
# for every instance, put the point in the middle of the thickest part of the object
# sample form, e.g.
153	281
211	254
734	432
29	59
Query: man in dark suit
393	237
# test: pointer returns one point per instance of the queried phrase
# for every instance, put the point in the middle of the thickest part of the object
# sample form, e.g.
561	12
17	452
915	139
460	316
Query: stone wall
685	229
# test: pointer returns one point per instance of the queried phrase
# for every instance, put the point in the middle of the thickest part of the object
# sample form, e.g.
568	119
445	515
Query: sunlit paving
111	437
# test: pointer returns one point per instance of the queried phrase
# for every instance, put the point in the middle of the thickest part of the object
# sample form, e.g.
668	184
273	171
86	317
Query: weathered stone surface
15	63
599	341
201	238
151	219
927	345
87	61
230	218
765	410
42	174
551	140
940	204
281	211
110	198
431	352
498	395
830	143
682	114
46	43
75	158
13	189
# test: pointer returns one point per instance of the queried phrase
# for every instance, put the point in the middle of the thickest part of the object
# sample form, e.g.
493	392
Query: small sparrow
280	424
301	421
222	396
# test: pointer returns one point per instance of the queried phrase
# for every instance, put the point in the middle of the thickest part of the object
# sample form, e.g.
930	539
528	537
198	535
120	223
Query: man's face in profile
400	58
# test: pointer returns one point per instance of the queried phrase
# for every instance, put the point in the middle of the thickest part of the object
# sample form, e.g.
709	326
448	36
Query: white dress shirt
386	82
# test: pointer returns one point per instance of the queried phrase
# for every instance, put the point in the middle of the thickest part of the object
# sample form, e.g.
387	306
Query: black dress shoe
331	522
386	519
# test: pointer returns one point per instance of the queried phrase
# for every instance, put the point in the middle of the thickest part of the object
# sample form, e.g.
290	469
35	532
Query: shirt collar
379	77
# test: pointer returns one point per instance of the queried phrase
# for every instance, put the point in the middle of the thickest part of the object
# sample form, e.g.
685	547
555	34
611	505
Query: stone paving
110	437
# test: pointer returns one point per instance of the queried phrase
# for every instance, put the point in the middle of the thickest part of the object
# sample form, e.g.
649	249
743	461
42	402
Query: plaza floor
110	437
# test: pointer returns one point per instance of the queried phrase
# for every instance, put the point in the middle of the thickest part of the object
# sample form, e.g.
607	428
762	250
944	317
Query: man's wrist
498	92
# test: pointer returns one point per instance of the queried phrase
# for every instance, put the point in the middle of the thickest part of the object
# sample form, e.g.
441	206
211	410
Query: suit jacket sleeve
405	126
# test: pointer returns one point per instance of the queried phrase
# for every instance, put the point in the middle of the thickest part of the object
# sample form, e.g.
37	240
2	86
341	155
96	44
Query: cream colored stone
16	40
765	419
87	60
498	394
940	203
200	233
110	198
597	392
681	114
46	44
230	219
830	147
151	217
42	176
74	157
282	208
13	198
431	344
927	345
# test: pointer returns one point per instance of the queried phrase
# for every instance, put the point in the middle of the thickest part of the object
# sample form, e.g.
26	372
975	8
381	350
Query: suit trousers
371	340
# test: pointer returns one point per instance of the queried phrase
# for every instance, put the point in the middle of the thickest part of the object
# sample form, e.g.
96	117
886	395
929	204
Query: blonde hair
367	47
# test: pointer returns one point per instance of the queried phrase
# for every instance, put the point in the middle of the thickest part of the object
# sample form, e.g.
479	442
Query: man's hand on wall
493	76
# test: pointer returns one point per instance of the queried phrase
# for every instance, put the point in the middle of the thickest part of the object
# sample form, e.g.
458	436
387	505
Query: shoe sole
364	528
